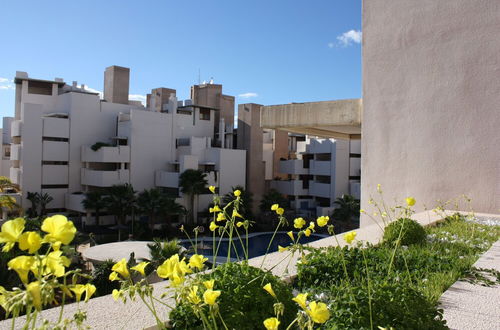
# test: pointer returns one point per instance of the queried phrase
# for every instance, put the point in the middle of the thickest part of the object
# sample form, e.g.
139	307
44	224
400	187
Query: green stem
293	322
369	289
270	242
245	253
395	248
222	320
343	258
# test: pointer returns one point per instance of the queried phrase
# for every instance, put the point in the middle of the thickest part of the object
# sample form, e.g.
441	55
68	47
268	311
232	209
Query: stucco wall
431	96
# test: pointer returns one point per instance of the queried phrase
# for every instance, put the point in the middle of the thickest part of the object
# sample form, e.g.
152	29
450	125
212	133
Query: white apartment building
6	140
56	124
319	171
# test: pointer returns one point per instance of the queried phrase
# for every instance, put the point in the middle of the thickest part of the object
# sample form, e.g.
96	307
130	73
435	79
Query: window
204	114
7	151
323	179
40	88
52	162
305	159
324	157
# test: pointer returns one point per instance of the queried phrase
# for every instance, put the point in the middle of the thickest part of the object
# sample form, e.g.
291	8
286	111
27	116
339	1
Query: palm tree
193	183
34	198
347	210
174	209
273	197
152	203
8	203
44	199
6	185
120	201
94	200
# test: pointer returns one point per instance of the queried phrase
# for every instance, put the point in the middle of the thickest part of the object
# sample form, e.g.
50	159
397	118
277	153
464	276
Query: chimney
116	84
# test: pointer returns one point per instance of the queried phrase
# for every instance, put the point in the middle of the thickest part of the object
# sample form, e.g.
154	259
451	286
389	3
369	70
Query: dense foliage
244	303
407	231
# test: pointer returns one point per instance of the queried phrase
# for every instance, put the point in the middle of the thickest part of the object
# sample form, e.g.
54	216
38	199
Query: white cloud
349	37
331	45
248	95
6	84
137	97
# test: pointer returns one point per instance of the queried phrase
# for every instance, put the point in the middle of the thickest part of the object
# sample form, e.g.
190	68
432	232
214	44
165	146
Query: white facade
56	124
319	171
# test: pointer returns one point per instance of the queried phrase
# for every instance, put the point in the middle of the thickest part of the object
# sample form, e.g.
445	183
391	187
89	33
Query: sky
261	51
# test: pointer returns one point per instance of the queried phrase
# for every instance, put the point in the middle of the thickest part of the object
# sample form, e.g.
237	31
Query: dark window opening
306	158
323	202
57	139
40	88
53	162
354	155
54	186
323	179
204	114
324	157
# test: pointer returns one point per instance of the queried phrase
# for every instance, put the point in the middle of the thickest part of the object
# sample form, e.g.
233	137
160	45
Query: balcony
119	154
74	202
167	179
15	175
320	189
16	128
56	127
318	167
292	166
291	187
104	178
15	151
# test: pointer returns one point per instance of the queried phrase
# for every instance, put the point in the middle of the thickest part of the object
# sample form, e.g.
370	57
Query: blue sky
267	52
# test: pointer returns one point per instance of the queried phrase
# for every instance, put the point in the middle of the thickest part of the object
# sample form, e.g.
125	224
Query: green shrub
411	232
161	251
100	278
394	305
243	303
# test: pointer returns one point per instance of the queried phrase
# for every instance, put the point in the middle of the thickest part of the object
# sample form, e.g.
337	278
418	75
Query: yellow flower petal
271	323
193	295
213	226
322	221
290	234
89	291
299	223
34	291
282	249
78	289
58	229
210	296
307	232
349	237
209	284
280	211
301	299
212	189
237	193
197	261
221	217
11	231
268	287
121	268
318	312
140	267
410	201
30	241
274	207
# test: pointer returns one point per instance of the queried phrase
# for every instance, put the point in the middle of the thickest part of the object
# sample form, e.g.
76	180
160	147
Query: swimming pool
257	244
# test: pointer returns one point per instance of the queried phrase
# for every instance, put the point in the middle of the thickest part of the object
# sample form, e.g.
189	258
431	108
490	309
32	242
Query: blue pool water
257	244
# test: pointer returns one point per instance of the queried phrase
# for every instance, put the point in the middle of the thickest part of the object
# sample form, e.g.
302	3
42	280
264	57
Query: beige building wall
431	96
280	142
250	138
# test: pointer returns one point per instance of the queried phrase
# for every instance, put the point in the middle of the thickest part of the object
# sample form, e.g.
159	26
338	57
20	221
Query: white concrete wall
341	169
431	96
55	151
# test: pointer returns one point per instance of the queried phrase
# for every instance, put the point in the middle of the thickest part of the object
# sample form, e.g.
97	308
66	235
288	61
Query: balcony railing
118	154
16	128
319	167
15	175
15	152
292	187
293	166
104	178
320	189
167	179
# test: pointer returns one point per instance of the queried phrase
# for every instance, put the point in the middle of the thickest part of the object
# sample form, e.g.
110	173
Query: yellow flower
410	201
349	237
236	214
58	229
116	294
282	249
209	284
299	223
213	226
272	323
11	231
311	225
196	261
210	296
55	262
307	232
290	234
215	209
280	211
78	289
113	276
239	224
274	207
22	265
301	299
193	295
362	211
212	189
318	312
270	290
379	188
237	193
221	217
322	221
30	241
121	268
173	269
89	291
35	293
384	214
140	267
